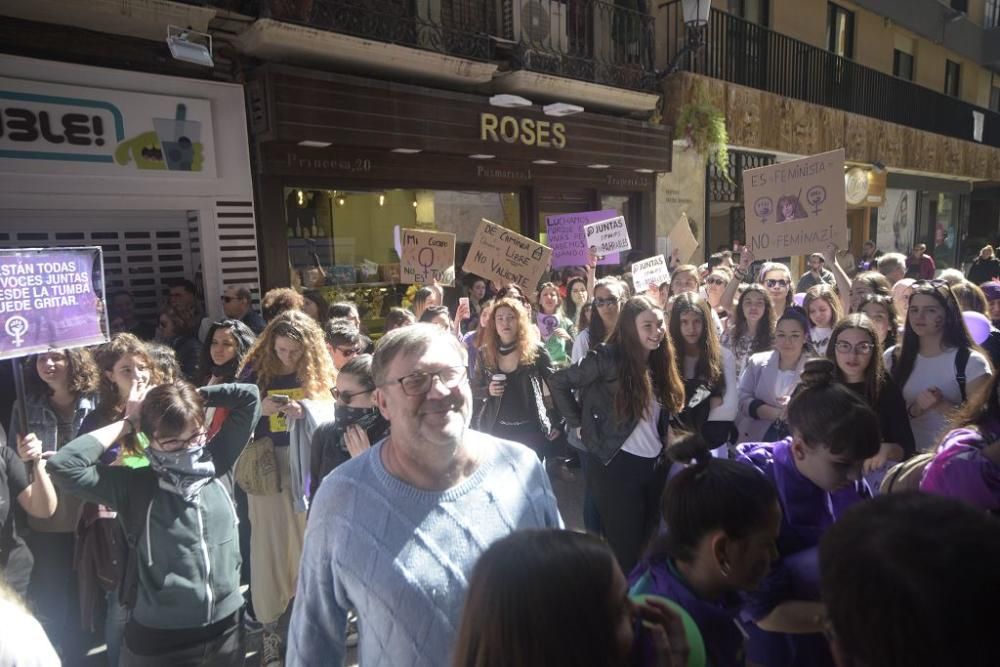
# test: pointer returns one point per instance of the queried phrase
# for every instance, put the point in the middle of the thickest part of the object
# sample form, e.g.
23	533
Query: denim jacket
43	422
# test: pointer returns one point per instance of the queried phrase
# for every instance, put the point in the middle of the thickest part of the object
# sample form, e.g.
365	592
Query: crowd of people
775	473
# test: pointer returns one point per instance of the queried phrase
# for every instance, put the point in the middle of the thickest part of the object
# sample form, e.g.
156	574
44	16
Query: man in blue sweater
395	532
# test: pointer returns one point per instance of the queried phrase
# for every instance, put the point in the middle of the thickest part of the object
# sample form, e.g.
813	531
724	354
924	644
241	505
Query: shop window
902	65
342	241
952	78
839	31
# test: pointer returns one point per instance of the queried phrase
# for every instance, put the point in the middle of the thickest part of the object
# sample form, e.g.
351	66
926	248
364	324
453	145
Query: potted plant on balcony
703	127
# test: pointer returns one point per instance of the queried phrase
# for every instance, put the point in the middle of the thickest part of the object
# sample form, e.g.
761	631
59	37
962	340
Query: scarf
369	419
183	472
226	371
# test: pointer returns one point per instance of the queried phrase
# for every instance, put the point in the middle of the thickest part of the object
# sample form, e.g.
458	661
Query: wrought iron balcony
747	54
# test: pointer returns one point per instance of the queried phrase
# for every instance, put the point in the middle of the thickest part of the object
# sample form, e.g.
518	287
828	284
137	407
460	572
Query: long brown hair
826	293
765	327
106	356
644	376
875	373
527	334
315	371
709	364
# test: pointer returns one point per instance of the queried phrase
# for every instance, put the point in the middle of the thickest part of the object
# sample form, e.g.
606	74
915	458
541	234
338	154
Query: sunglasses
780	282
601	302
714	281
347	397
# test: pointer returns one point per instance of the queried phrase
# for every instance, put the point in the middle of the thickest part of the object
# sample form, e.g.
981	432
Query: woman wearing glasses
857	351
769	378
288	363
609	295
937	365
357	424
715	288
774	277
187	601
628	390
511	383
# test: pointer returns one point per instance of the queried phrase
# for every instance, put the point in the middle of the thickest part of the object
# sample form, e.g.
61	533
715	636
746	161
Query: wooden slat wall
365	113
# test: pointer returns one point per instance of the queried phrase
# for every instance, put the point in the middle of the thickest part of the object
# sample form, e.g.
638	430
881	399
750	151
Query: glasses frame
202	433
600	302
774	282
346	397
854	348
431	376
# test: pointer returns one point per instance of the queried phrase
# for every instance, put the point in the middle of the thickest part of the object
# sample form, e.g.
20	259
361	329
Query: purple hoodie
959	469
807	511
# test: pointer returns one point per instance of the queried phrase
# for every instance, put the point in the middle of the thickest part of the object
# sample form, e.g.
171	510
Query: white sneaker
352	630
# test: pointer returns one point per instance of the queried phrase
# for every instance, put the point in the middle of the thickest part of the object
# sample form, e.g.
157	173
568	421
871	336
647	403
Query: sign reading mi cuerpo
50	298
55	128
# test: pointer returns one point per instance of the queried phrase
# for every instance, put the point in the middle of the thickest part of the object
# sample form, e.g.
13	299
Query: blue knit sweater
402	557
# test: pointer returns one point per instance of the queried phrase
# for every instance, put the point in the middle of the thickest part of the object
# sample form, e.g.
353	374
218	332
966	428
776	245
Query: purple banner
50	298
564	234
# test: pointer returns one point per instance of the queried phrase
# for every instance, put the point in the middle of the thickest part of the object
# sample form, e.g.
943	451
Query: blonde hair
315	370
527	334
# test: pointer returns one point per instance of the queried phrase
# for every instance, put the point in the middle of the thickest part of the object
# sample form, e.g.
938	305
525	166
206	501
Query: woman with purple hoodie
817	473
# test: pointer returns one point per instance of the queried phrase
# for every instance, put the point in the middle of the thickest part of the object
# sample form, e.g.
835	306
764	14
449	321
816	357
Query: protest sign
650	272
682	241
506	257
795	208
427	256
51	298
546	324
607	236
566	238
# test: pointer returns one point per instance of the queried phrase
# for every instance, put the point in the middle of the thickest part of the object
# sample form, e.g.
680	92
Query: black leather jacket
529	384
596	378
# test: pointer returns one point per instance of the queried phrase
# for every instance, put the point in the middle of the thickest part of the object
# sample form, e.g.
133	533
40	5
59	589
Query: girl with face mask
722	519
357	424
817	472
188	602
927	366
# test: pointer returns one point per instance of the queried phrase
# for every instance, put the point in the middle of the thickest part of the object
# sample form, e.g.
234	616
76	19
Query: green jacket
189	556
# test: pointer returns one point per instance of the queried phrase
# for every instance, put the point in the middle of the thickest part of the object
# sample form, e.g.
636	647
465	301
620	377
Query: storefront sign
527	131
897	221
506	257
426	257
607	236
564	234
795	208
650	272
50	299
55	128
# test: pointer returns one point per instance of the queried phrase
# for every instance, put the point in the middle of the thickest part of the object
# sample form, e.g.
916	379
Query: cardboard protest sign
547	324
650	272
506	257
682	240
425	256
795	208
607	236
566	238
51	298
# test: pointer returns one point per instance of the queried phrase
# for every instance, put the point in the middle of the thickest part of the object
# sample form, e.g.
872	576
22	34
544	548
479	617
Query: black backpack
142	485
961	361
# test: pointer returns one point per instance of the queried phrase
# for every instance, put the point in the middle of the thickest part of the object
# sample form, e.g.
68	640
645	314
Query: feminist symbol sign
427	256
16	327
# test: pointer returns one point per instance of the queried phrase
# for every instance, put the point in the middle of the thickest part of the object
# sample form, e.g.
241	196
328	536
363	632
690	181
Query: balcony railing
747	54
603	41
594	40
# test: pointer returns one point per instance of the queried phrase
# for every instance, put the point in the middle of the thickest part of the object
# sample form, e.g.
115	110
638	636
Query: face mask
345	415
183	472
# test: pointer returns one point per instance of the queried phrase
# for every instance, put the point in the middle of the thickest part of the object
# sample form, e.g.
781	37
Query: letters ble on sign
795	208
650	272
427	256
506	257
607	236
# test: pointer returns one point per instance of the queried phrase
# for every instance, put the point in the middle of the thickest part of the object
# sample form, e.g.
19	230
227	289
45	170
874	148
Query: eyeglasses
349	351
177	444
714	281
845	347
601	302
347	397
419	383
772	282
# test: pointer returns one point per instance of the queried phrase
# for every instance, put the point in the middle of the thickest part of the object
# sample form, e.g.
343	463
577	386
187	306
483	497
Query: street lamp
695	13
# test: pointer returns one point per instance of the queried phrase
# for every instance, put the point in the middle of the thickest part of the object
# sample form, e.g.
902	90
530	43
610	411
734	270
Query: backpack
142	485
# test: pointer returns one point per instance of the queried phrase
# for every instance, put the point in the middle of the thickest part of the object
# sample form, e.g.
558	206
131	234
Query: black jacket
529	384
596	378
984	270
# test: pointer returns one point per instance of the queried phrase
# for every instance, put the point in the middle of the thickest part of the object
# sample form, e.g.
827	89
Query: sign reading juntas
506	257
607	236
427	256
55	128
50	298
566	237
650	272
795	208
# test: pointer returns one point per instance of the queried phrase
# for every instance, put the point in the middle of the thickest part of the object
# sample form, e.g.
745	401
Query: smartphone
280	398
463	301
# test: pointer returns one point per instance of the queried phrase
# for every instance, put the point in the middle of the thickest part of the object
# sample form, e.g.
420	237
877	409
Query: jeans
116	615
627	492
53	593
226	650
